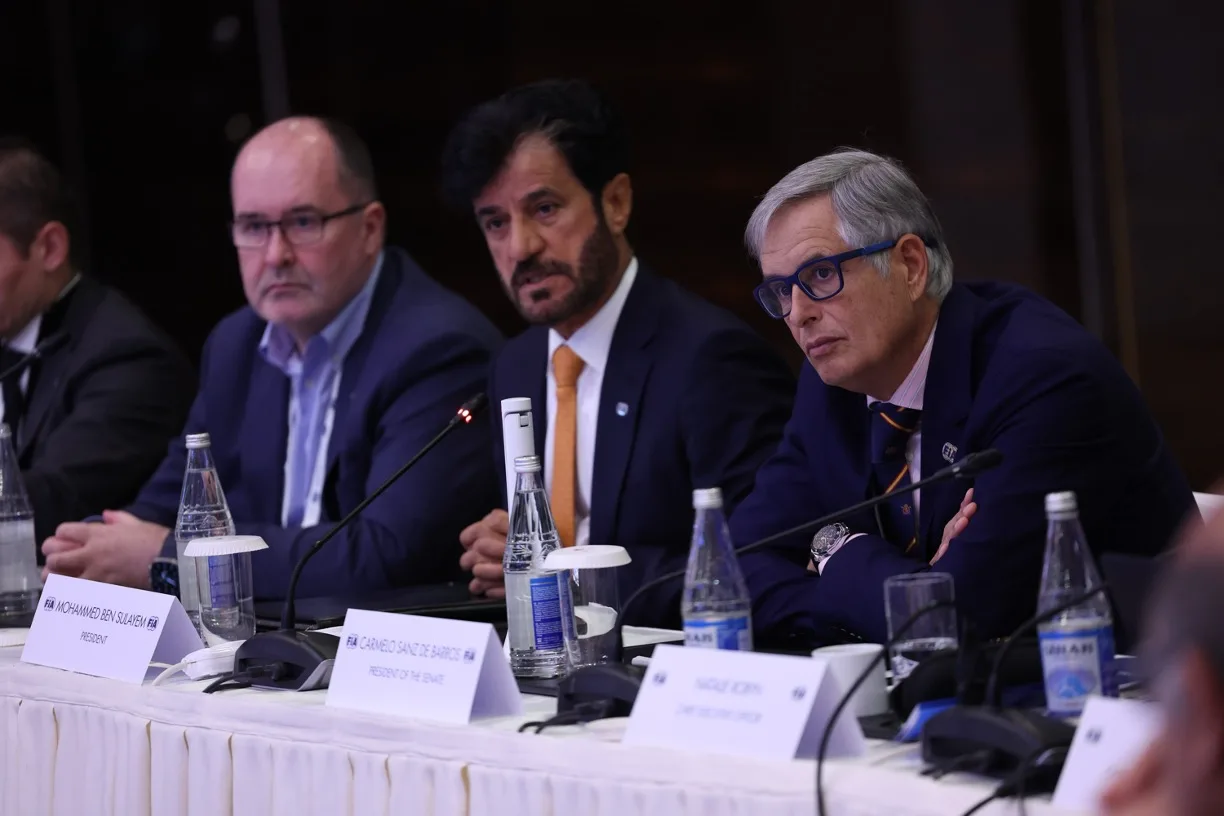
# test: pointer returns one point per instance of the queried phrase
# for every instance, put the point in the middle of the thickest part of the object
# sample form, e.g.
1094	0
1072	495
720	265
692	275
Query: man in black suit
95	391
641	391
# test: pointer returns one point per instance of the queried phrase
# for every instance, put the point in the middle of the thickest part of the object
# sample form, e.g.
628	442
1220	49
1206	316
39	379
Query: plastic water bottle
20	578
715	606
537	600
1077	646
203	513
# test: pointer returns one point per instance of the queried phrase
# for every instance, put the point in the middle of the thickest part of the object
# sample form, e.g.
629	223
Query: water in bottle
715	605
203	513
537	600
20	578
1077	646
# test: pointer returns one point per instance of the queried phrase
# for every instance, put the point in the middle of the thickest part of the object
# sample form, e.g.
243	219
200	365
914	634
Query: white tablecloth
77	745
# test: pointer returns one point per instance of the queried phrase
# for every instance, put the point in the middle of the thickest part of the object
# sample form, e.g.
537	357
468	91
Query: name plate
1111	736
106	630
740	703
427	668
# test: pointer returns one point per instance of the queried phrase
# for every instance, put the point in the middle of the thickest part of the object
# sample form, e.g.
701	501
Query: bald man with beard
345	362
1182	772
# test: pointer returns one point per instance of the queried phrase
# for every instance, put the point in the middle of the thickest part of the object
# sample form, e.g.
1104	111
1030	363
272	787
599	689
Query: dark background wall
1070	146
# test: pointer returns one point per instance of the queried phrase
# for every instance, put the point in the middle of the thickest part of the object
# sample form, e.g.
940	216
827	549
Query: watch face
164	576
823	541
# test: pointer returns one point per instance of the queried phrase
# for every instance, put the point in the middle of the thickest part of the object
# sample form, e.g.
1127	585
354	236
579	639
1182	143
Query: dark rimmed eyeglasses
819	279
298	228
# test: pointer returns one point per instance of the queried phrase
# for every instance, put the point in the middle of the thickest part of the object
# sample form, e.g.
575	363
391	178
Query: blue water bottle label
546	611
221	591
1077	662
733	633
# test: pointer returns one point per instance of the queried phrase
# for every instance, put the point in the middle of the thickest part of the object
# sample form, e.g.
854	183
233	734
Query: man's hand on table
117	550
484	544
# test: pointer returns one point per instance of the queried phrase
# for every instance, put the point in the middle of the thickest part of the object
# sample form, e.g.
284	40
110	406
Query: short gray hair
875	200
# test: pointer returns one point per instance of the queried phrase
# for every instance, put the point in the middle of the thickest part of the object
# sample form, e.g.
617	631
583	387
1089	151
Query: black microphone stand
619	683
289	659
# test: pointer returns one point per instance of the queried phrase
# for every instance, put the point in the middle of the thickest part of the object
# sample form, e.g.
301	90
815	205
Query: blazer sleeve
410	533
124	408
1050	423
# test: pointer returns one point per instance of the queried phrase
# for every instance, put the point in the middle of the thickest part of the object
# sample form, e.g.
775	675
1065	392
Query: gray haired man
909	372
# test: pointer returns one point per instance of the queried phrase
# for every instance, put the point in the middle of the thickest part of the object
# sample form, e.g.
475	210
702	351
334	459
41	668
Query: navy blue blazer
1008	370
423	352
707	401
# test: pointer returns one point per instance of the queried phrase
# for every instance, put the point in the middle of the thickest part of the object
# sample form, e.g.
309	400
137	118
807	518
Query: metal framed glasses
299	228
819	278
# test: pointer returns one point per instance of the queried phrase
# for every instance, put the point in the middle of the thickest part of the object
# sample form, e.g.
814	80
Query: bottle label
546	611
221	593
733	633
1077	662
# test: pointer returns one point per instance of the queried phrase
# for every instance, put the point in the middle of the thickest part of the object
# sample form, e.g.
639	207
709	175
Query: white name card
742	703
1110	737
106	630
428	668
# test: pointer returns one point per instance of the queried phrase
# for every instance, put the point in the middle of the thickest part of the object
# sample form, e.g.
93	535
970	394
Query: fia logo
1093	735
49	604
798	694
151	623
949	452
351	641
660	678
469	655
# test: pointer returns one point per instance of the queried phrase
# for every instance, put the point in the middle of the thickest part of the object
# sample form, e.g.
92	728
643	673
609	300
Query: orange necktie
566	367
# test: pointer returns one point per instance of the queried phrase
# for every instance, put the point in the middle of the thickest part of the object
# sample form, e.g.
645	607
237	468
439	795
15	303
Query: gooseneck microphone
1018	744
614	681
289	659
48	344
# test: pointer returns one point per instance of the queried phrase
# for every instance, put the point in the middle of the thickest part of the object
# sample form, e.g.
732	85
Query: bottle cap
707	498
1061	503
527	464
199	440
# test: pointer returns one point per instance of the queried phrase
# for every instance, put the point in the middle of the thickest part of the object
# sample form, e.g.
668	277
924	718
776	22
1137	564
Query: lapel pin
949	452
622	409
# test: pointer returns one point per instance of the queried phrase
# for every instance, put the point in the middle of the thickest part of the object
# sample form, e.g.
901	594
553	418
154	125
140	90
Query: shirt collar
26	340
337	337
593	340
912	389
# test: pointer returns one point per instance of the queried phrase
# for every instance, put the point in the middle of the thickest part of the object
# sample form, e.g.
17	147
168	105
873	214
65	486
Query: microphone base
288	660
613	683
1006	739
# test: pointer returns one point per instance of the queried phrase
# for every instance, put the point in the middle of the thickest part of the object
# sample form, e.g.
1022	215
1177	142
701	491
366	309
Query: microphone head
975	463
470	409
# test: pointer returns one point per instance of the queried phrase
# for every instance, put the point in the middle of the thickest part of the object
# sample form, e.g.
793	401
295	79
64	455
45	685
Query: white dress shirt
592	342
908	395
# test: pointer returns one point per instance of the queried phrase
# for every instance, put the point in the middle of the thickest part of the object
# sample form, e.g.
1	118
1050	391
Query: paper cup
846	662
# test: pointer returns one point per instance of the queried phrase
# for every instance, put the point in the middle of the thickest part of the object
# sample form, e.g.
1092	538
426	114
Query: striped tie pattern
891	428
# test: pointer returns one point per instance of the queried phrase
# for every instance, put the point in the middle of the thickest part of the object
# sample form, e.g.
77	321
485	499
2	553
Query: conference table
78	745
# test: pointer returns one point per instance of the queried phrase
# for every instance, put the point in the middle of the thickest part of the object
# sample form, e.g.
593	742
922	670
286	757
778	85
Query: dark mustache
535	267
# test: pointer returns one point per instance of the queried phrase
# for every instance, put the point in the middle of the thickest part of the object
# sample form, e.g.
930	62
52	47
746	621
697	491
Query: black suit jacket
100	408
705	401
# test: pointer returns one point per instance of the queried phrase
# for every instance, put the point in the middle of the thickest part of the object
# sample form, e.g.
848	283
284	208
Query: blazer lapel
53	369
946	400
264	439
620	403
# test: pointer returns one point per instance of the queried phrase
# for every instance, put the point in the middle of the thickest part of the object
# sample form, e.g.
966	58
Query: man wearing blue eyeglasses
909	372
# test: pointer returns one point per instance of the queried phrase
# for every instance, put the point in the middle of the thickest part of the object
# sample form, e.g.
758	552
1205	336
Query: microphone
48	344
289	659
616	682
1017	744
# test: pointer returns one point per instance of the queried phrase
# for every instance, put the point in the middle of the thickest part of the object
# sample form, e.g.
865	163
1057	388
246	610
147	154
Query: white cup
846	662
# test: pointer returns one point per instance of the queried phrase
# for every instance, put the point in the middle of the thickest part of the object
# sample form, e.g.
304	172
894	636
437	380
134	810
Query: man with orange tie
641	391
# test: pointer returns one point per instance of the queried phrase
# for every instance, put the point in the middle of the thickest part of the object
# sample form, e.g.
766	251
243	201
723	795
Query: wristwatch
164	576
827	541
